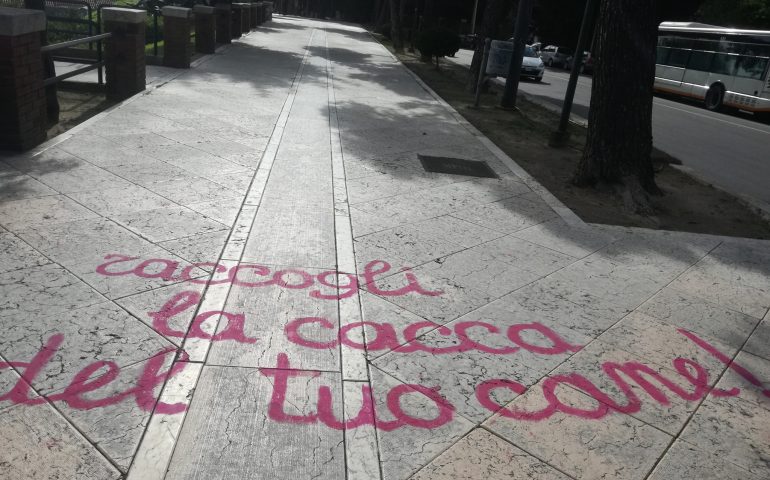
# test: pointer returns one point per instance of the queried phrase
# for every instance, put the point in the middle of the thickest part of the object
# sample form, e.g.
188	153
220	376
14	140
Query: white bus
721	66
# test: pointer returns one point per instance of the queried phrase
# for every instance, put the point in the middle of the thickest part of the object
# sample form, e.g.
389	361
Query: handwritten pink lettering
622	374
385	337
688	381
184	301
84	382
327	286
366	416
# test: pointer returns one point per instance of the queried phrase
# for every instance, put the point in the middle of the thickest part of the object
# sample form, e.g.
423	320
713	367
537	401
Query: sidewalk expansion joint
158	442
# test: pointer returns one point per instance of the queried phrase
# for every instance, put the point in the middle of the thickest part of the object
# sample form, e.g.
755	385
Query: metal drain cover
456	166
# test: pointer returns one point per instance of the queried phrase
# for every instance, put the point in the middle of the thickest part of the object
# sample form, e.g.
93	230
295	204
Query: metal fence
90	65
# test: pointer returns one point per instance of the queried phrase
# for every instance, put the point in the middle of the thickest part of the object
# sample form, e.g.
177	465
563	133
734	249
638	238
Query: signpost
519	40
560	137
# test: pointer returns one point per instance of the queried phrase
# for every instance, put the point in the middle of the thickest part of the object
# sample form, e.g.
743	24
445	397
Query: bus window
678	57
661	55
724	64
700	61
751	67
680	42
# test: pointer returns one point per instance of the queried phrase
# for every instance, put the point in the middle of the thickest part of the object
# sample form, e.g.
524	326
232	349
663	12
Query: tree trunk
376	11
395	25
383	16
619	143
403	26
490	23
429	19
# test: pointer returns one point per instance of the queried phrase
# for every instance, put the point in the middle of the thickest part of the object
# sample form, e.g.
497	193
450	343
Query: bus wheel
714	97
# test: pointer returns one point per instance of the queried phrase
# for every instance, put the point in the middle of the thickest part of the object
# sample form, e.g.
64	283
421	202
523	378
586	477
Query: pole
560	136
473	22
155	28
519	40
482	72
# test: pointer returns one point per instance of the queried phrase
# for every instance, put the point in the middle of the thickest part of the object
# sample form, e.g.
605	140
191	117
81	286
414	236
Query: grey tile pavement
246	273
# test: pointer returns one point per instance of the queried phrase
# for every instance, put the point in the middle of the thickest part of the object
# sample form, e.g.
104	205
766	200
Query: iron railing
90	65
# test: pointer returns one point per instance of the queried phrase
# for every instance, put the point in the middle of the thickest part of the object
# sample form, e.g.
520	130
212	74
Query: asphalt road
731	151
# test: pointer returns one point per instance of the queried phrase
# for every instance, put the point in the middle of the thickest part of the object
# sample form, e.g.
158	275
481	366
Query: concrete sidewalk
245	272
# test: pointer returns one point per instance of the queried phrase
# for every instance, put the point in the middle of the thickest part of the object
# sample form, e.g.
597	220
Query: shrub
438	42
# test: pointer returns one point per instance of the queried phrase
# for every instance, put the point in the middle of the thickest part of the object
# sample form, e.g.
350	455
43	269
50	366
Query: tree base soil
686	203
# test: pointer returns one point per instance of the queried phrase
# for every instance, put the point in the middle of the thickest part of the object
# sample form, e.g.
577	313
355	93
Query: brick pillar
237	23
245	17
22	96
253	12
224	14
125	51
260	15
177	25
205	29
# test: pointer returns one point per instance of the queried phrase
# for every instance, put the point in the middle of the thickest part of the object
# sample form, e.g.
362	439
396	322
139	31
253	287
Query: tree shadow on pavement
381	144
19	173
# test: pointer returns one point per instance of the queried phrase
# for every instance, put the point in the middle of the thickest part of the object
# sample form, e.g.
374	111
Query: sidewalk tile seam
284	115
531	454
338	173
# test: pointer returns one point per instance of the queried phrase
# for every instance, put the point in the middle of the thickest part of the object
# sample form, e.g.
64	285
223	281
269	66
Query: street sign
500	54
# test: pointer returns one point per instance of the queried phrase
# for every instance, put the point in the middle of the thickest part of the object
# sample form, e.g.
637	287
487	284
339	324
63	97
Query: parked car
531	65
586	67
555	56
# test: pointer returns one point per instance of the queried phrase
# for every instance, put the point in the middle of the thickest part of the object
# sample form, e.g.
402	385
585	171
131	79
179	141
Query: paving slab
686	461
15	185
617	446
462	356
702	317
227	433
268	316
403	451
15	254
733	429
37	445
84	241
481	454
759	342
73	340
19	214
168	223
47	289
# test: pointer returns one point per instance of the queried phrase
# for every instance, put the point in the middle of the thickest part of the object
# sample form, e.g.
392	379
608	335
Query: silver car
555	56
531	65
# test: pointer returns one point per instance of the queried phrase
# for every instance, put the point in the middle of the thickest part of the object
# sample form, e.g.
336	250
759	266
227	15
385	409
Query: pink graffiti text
86	381
385	338
327	285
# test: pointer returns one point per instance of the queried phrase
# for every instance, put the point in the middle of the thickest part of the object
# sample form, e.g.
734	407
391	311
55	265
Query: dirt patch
76	105
686	205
